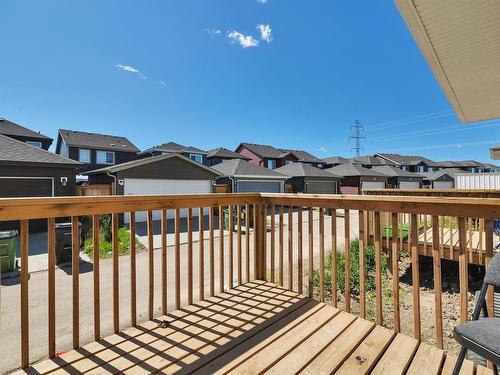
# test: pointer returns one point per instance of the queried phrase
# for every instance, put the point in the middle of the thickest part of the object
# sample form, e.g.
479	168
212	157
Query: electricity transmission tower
357	137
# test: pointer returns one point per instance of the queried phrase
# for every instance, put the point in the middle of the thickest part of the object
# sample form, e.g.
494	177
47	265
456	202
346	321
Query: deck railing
252	246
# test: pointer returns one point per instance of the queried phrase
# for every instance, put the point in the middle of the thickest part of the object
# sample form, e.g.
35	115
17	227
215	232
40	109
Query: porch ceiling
461	42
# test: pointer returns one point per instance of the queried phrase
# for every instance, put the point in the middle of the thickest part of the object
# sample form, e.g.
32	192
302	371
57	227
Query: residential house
417	164
304	178
242	176
15	131
441	179
164	174
356	178
95	150
400	179
190	152
271	157
27	171
333	161
370	161
220	154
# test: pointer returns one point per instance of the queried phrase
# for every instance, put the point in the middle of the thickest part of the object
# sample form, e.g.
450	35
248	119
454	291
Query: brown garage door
12	187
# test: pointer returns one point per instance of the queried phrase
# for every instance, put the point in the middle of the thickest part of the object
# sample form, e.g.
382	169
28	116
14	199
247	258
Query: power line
447	145
357	137
410	120
442	130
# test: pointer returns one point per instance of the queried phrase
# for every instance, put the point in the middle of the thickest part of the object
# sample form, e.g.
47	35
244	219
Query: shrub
354	269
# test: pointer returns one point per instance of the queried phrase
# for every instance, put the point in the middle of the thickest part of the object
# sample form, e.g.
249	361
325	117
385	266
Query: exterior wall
120	157
249	154
45	142
350	184
43	171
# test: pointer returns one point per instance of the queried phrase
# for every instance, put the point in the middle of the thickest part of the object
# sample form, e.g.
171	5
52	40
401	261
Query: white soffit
461	41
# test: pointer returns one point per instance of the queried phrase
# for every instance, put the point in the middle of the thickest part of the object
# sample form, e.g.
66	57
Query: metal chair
482	336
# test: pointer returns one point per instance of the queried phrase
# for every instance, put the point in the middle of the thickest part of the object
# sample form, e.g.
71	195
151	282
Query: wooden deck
255	328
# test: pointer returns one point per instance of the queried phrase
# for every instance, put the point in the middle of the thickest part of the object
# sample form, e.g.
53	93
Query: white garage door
136	186
372	185
409	185
443	184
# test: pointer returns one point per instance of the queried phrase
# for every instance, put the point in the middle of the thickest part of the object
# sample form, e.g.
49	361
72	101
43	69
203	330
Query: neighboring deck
255	328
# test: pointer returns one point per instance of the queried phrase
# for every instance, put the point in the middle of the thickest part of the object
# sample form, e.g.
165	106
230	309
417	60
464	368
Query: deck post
259	256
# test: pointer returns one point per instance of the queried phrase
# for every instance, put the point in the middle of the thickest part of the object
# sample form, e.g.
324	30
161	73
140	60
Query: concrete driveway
10	290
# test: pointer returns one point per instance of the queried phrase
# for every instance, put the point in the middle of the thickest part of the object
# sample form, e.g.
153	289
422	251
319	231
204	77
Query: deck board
253	329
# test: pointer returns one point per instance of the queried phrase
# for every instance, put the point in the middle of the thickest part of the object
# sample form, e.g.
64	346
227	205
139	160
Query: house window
105	157
271	164
472	170
84	155
36	144
196	157
288	162
404	167
420	168
430	169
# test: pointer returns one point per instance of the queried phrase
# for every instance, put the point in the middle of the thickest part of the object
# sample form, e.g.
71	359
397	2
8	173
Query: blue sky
204	73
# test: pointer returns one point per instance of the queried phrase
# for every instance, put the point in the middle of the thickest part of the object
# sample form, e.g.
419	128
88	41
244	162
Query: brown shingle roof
222	152
304	170
348	170
240	167
97	141
10	128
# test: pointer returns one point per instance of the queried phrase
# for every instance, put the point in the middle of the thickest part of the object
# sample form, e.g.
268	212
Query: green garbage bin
226	218
63	242
8	240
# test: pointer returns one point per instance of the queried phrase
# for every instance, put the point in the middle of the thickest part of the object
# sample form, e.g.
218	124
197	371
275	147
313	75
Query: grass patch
106	246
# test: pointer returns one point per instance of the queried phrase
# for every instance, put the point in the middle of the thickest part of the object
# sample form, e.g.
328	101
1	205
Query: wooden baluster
190	255
164	296
24	251
51	252
334	256
347	247
177	234
96	276
321	255
256	240
462	266
488	243
150	265
401	232
280	253
133	275
480	247
395	272
311	252
201	245
263	240
273	245
290	248
436	260
231	246
386	224
415	275
378	268
116	276
362	266
221	249
425	235
300	270
247	238
471	249
240	250
212	250
441	233
75	269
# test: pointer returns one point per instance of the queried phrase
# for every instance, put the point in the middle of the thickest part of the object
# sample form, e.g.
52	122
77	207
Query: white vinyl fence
477	181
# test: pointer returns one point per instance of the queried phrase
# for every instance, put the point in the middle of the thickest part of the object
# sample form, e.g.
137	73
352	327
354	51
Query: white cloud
262	1
213	32
323	149
243	40
127	68
162	83
265	32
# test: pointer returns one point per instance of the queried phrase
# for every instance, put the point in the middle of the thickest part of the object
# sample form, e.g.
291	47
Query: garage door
321	187
11	187
443	184
259	186
372	185
137	186
409	185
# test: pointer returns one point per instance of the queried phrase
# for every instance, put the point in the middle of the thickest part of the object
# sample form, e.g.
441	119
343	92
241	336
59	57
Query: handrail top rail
39	208
458	191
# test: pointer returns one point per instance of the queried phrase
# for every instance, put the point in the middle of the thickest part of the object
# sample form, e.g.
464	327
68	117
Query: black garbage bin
63	242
